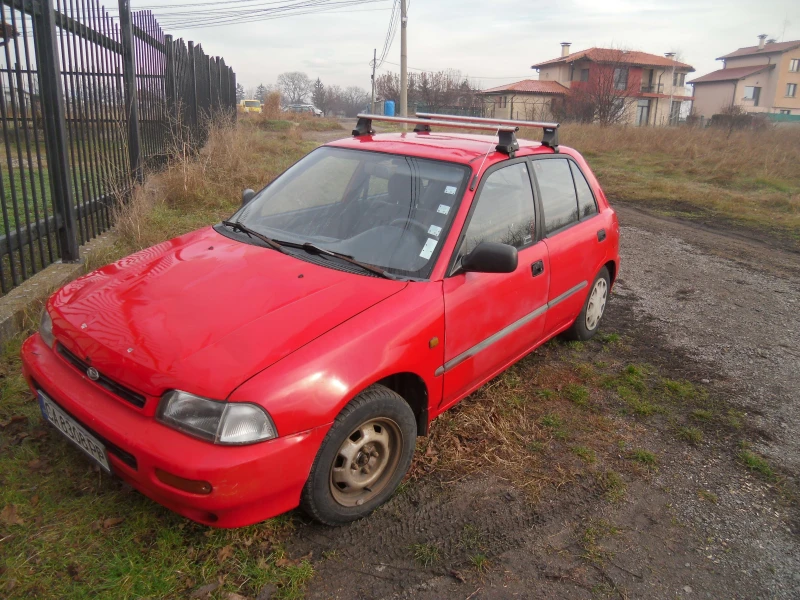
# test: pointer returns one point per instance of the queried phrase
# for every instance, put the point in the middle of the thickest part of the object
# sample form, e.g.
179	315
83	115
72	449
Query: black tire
378	409
580	330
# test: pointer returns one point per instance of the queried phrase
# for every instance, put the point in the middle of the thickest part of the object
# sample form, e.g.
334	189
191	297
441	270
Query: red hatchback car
291	355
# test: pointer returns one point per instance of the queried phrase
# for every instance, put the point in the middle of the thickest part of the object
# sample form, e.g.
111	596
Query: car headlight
46	329
214	421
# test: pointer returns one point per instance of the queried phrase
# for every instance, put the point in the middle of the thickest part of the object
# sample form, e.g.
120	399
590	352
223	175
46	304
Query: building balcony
655	88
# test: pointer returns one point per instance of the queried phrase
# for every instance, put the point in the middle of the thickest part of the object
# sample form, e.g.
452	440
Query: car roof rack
550	130
507	143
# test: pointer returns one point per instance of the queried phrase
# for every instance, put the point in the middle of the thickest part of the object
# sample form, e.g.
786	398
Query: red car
291	355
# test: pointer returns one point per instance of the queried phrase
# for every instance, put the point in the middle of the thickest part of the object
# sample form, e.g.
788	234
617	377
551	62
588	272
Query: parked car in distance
304	108
291	355
246	106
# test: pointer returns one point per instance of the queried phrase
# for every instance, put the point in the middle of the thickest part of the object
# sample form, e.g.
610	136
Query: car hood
203	313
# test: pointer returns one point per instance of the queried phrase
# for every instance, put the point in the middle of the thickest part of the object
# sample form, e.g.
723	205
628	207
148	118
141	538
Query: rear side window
558	193
504	212
586	204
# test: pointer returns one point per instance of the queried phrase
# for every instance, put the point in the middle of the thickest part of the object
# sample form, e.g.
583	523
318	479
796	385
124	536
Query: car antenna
485	156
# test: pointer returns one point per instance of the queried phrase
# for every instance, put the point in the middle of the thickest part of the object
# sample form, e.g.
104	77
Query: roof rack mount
549	135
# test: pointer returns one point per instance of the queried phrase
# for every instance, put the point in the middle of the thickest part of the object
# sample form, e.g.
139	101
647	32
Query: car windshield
252	103
385	210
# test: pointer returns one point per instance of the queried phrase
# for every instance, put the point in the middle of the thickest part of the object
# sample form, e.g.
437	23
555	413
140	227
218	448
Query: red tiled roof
631	57
530	86
731	74
767	49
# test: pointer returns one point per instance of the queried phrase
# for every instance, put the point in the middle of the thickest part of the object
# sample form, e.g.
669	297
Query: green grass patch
577	394
425	555
644	457
586	454
613	486
551	421
690	434
756	463
707	496
702	415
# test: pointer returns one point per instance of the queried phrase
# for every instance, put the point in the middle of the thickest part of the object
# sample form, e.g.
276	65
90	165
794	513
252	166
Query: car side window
559	201
586	203
504	211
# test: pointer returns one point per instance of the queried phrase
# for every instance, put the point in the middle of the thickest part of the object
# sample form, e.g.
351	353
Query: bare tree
437	90
295	86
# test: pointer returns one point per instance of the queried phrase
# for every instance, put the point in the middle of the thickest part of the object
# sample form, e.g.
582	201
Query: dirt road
717	308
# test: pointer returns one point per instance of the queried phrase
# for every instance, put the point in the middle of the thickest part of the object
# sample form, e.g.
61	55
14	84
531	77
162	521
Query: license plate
74	431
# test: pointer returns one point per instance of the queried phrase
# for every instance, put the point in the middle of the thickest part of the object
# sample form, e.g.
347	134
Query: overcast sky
492	41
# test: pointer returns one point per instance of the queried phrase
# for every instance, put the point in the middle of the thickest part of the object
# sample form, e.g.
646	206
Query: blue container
388	108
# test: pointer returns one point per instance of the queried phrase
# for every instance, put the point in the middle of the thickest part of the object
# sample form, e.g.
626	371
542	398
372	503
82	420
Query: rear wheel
585	326
362	459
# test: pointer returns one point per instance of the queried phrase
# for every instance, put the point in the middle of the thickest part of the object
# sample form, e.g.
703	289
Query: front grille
126	457
112	386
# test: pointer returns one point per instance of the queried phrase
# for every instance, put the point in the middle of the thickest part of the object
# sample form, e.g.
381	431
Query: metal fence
87	101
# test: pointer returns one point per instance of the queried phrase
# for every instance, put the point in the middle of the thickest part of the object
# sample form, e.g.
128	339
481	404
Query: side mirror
491	257
247	195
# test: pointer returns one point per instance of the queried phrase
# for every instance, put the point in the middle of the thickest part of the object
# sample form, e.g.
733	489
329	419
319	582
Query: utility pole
403	60
374	63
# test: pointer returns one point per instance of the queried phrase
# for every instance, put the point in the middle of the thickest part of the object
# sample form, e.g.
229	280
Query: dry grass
749	177
195	191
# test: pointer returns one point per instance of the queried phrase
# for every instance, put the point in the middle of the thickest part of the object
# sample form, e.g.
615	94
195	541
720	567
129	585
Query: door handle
537	268
601	235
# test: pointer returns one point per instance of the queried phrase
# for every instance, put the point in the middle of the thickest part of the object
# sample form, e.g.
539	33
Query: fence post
56	142
131	94
171	86
192	89
232	91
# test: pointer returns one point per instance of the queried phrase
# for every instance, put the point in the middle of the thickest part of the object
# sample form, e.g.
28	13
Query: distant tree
437	90
295	86
261	90
239	92
319	95
354	100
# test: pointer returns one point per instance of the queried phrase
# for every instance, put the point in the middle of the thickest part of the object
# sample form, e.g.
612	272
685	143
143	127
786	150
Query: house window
620	79
791	89
786	112
643	111
794	65
584	74
678	79
502	101
753	93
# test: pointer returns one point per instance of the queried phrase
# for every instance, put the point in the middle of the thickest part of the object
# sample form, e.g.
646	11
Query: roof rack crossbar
549	137
508	142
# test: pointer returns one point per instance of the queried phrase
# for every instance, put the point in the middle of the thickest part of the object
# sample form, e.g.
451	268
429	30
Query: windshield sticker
450	189
443	209
427	249
434	230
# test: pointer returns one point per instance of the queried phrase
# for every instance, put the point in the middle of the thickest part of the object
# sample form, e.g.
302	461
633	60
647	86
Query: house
526	100
761	79
621	86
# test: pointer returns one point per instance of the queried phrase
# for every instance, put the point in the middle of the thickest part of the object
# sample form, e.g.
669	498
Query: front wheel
362	459
585	326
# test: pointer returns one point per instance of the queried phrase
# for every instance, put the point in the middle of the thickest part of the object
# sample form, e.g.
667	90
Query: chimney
565	48
761	39
771	41
670	55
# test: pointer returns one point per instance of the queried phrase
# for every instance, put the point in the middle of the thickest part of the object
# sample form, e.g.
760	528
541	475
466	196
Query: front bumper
249	483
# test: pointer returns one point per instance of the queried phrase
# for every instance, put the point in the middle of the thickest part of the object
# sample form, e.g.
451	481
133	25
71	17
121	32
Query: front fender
310	386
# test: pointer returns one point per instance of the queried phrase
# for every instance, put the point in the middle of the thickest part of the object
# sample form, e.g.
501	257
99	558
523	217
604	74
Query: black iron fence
87	101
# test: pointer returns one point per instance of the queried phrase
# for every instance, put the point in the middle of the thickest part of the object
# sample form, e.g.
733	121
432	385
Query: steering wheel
420	228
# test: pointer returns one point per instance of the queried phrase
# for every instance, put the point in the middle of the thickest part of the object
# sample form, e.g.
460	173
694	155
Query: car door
491	319
572	233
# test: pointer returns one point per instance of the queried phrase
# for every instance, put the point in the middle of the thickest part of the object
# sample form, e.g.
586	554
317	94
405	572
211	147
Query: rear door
573	233
493	318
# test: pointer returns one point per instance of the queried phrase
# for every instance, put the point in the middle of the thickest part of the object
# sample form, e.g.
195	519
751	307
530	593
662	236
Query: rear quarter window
557	191
586	202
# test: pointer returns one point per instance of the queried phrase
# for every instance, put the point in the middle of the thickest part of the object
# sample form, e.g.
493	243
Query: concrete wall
520	106
784	76
711	98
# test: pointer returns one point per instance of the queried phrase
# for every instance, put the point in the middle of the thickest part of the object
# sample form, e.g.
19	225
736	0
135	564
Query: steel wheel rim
596	304
365	462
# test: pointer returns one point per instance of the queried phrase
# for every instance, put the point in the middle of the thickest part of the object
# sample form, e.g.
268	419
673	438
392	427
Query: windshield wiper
313	248
252	233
